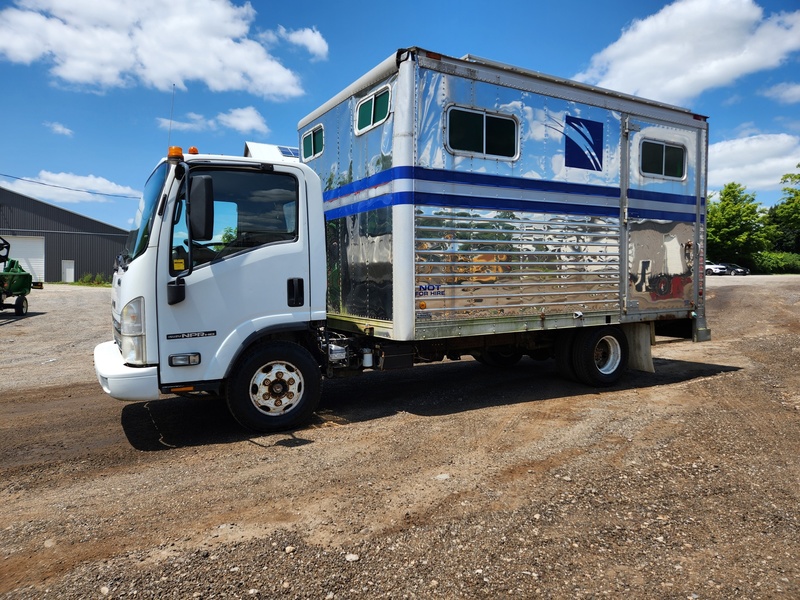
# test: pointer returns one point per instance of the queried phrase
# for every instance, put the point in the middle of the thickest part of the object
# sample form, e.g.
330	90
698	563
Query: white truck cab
224	252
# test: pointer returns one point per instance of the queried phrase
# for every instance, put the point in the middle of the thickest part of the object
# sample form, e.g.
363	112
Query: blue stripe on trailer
480	202
642	204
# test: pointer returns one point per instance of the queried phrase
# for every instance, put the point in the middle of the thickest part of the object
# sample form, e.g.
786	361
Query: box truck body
463	197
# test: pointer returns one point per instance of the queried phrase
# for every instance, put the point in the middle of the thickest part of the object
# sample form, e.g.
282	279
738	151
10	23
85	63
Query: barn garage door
29	251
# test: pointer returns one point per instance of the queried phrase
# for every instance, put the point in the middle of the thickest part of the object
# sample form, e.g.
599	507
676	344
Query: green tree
784	217
737	226
229	235
793	179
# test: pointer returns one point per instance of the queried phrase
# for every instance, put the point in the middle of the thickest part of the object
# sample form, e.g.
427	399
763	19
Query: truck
436	208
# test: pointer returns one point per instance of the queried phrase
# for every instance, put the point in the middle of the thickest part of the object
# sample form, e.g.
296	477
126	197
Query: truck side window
179	254
313	142
478	132
372	110
662	159
252	208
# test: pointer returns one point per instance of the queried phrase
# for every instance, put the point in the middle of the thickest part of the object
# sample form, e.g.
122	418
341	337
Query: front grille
117	331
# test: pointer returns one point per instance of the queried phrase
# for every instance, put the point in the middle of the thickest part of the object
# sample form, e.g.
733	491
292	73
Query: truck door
661	207
251	276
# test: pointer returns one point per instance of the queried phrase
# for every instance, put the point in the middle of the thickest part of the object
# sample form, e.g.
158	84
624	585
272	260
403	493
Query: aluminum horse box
466	197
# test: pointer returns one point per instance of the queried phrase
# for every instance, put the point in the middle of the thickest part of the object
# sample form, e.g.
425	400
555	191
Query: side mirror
201	208
200	213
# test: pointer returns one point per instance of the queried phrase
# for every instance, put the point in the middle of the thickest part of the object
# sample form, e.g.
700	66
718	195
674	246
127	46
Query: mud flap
640	337
700	330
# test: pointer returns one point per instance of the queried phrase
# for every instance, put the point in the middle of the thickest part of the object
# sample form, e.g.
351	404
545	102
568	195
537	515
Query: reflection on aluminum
482	264
660	258
360	265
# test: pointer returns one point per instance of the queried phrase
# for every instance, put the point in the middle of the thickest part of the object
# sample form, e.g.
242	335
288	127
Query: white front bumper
121	381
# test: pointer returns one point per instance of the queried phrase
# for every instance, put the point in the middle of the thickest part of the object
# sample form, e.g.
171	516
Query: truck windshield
145	214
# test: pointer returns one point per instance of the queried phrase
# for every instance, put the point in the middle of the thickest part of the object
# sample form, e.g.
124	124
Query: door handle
295	295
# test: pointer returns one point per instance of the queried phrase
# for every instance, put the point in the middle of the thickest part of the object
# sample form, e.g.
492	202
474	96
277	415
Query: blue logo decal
584	144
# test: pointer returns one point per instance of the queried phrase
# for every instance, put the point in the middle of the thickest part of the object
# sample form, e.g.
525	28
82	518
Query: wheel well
300	336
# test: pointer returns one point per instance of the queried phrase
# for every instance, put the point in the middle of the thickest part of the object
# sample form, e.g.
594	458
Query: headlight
132	342
132	322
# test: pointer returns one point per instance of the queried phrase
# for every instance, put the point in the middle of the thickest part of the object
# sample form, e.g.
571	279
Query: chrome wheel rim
607	355
276	388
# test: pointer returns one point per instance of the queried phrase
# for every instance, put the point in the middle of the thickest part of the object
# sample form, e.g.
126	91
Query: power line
62	187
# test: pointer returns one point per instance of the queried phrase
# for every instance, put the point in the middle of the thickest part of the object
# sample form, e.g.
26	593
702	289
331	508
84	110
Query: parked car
734	269
716	269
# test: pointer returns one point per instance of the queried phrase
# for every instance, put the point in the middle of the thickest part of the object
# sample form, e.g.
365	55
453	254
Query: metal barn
55	244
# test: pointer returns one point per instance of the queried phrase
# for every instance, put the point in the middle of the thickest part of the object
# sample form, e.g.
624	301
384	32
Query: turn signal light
184	360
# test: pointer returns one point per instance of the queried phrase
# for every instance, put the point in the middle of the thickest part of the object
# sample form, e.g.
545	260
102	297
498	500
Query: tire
562	352
709	272
600	355
480	358
21	306
275	386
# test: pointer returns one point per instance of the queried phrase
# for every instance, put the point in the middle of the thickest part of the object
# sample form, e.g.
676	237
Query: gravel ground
444	481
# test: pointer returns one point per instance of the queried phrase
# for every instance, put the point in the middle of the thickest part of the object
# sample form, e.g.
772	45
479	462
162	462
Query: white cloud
785	93
69	188
691	46
756	161
747	129
153	43
788	123
58	128
193	122
308	38
244	120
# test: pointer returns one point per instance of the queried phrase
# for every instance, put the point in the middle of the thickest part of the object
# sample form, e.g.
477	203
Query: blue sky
86	93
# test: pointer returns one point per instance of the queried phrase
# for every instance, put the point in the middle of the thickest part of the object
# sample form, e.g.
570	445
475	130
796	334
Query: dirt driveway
444	481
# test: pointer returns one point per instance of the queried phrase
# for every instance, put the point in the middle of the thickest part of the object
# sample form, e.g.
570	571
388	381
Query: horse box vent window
313	142
372	110
481	133
664	160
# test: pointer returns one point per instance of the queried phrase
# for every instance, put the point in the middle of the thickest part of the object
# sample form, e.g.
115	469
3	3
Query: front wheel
600	355
21	306
276	386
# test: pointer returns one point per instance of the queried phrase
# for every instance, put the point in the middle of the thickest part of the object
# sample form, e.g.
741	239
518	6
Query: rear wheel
600	355
563	354
276	386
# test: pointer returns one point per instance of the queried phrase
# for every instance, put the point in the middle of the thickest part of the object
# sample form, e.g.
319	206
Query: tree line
740	230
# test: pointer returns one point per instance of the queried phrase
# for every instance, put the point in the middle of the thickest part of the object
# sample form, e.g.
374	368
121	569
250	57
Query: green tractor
15	282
